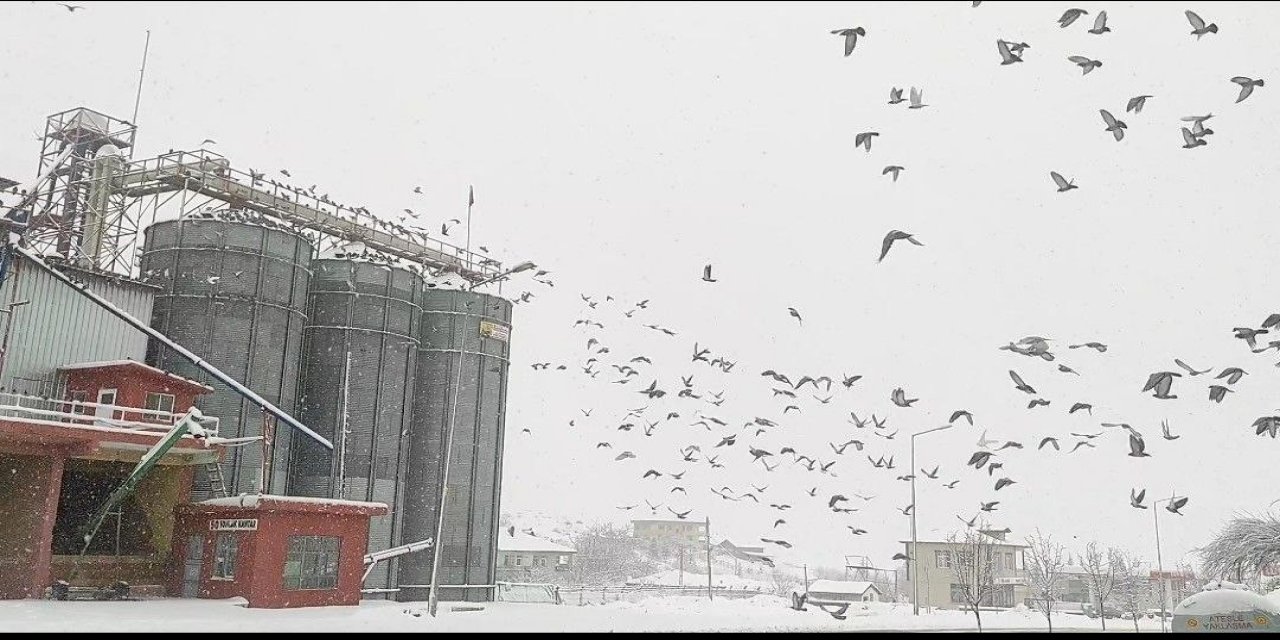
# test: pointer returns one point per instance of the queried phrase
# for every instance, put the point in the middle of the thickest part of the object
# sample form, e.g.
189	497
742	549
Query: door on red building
105	396
191	567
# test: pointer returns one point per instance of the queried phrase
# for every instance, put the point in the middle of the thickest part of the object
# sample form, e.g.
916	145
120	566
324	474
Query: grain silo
234	292
359	355
463	354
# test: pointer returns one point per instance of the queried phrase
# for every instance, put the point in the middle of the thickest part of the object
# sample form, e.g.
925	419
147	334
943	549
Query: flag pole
471	201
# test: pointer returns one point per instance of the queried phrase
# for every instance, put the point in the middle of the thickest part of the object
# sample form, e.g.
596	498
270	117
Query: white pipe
208	368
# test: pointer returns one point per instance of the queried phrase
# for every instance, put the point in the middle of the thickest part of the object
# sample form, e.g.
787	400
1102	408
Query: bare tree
973	568
1243	547
1045	563
607	554
1133	585
1100	570
782	582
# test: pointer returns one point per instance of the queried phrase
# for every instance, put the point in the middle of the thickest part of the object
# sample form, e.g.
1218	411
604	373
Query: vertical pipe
342	438
433	599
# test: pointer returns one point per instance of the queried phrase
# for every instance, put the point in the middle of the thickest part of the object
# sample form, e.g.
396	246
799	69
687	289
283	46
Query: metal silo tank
235	294
368	313
474	330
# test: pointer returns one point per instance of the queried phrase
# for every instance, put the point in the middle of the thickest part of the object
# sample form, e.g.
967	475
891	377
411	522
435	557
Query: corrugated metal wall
235	294
369	311
60	326
451	334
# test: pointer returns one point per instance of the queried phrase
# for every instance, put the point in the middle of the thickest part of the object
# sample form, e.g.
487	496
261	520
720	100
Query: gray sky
623	146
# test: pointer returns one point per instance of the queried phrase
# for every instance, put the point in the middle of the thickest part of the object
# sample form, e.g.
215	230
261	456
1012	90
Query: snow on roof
841	586
252	501
526	542
131	363
1226	600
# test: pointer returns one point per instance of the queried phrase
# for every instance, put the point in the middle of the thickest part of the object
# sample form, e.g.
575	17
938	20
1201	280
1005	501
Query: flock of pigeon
714	436
1011	52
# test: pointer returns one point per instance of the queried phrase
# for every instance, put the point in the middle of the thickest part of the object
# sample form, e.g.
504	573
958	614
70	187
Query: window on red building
312	563
226	549
159	402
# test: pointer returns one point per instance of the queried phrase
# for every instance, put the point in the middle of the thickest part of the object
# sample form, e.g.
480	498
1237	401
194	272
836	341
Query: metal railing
80	413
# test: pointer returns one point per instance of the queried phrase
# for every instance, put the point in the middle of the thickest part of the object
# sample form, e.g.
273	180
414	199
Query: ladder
217	486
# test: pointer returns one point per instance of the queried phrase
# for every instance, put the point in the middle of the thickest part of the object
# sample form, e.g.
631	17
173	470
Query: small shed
843	591
274	551
104	389
1227	607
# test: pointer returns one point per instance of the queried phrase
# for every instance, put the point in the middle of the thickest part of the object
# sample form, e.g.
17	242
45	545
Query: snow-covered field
684	613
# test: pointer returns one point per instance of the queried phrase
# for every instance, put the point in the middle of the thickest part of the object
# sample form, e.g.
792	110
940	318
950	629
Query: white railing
58	412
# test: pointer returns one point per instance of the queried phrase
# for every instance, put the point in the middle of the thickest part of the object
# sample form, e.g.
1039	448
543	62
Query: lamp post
1155	518
433	599
915	544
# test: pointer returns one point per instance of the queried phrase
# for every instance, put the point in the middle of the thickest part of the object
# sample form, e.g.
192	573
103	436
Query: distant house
681	532
821	591
520	555
936	579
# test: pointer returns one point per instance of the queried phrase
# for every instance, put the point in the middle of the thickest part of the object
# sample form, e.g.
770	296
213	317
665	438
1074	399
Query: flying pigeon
1049	440
1019	384
1198	27
1190	141
706	274
989	506
979	458
1006	56
1189	369
1137	446
850	38
1085	63
894	169
1096	346
795	314
1136	103
895	95
1164	426
916	95
900	398
1175	504
1116	127
962	413
1246	86
1062	183
894	236
1218	392
1161	382
1081	405
1267	424
1071	15
1002	483
864	140
1136	498
1100	24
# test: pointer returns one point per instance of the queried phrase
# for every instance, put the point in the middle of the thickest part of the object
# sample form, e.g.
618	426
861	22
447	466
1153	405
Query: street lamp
433	599
523	266
915	544
1155	518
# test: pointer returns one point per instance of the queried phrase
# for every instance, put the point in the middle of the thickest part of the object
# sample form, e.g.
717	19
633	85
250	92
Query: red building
61	458
274	551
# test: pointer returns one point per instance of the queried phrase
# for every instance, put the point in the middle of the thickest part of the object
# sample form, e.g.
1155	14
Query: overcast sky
624	146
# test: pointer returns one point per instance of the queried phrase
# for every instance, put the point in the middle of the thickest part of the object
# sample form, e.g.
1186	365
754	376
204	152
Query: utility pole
806	577
1155	518
682	565
708	537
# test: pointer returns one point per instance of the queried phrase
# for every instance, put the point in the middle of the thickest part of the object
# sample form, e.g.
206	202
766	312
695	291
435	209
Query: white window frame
225	557
153	414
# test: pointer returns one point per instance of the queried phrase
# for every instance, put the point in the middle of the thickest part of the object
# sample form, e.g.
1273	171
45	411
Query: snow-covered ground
683	613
